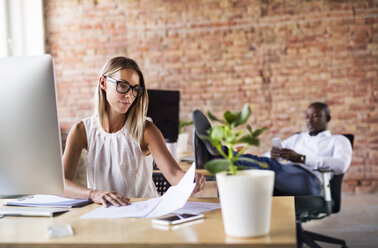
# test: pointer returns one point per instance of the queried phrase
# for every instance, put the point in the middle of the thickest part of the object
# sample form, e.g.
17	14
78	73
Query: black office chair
161	182
318	207
203	151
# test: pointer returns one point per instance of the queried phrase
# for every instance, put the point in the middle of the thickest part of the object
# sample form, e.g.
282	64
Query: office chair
203	152
318	207
306	207
161	182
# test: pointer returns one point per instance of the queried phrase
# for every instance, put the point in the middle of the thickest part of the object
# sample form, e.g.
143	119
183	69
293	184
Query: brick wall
279	56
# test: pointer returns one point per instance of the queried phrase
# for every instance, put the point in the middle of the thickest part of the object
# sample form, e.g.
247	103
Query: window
21	28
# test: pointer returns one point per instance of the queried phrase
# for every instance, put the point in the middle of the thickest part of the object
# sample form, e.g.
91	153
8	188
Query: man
304	152
314	149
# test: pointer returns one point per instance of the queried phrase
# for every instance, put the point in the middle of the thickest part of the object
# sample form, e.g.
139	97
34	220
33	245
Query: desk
132	232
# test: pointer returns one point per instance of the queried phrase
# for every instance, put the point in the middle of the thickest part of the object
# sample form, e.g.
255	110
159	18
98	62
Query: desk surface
132	232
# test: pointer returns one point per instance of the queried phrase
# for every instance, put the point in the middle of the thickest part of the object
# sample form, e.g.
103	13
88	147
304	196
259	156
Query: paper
175	198
47	201
136	209
197	208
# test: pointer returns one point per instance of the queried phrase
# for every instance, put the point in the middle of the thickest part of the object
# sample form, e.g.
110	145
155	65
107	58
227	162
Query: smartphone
173	219
277	142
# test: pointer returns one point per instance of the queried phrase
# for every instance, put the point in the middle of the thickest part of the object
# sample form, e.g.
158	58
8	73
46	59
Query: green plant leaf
216	133
238	133
250	140
217	165
183	124
249	128
244	115
259	131
212	117
230	117
251	160
243	167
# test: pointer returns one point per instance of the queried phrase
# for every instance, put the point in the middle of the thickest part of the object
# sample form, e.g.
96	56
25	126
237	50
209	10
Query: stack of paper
47	201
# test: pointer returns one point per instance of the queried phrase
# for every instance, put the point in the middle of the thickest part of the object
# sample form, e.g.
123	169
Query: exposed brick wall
277	55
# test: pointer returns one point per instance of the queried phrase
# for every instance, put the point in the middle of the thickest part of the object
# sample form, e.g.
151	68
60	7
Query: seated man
305	152
318	147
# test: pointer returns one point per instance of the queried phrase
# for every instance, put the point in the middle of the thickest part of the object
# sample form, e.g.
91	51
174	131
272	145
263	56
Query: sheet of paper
175	198
135	209
197	207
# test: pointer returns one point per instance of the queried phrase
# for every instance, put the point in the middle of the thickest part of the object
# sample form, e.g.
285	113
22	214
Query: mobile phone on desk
173	219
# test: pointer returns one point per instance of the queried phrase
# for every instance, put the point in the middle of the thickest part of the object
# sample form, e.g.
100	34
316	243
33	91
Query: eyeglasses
123	87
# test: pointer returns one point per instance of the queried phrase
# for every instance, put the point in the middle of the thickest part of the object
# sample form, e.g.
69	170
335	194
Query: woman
117	139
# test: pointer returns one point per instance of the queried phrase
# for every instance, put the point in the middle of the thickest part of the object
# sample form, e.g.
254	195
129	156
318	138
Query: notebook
31	211
51	201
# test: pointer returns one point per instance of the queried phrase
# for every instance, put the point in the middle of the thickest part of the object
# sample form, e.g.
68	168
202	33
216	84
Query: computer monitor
163	108
30	141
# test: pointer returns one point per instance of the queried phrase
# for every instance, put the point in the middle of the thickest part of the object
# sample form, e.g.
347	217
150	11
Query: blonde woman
117	139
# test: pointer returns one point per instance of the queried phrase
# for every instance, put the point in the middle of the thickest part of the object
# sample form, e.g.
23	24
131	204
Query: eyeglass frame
131	87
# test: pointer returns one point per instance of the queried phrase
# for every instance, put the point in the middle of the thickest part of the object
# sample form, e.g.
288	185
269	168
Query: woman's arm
76	142
164	160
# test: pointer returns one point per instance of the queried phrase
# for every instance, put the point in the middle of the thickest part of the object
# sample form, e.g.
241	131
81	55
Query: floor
356	223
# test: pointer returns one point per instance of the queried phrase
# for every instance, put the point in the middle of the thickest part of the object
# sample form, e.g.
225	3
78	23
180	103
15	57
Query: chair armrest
326	173
324	169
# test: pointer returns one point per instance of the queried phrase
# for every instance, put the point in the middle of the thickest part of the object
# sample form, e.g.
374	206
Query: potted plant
182	143
245	195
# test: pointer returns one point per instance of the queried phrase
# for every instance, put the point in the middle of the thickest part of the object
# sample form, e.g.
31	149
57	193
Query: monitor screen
163	108
30	142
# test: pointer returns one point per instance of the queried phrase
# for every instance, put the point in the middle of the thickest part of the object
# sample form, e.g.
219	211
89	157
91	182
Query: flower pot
246	200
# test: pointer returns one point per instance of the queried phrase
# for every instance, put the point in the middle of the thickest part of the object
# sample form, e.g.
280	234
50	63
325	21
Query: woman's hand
107	198
200	181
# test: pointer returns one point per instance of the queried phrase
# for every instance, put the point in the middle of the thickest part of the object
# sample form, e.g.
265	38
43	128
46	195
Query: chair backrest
161	182
203	152
201	155
336	183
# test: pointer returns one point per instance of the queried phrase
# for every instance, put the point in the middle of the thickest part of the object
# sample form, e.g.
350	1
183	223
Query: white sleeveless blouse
116	162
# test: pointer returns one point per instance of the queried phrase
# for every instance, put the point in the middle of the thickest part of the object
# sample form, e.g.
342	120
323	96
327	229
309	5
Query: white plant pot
182	143
246	202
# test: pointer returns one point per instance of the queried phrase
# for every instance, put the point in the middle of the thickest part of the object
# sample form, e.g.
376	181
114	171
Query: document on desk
175	198
197	208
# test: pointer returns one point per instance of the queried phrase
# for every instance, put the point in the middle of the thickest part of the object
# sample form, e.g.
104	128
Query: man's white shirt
323	149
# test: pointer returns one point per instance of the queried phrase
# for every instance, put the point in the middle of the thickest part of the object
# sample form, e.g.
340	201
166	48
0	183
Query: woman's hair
136	115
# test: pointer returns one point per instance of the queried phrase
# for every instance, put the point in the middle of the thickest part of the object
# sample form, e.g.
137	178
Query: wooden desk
132	232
